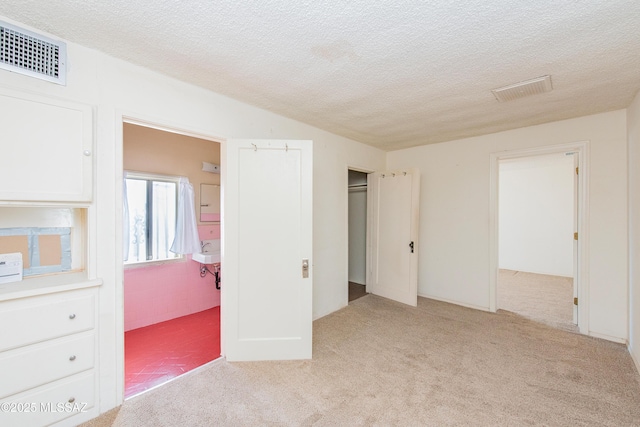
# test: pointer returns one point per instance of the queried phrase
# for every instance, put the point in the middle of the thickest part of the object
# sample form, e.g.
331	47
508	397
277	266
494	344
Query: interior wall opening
537	253
171	301
357	206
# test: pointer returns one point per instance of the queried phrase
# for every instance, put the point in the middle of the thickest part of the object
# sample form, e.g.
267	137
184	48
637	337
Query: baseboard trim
608	337
475	307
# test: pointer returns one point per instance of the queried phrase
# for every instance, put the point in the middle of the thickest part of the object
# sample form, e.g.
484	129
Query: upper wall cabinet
46	149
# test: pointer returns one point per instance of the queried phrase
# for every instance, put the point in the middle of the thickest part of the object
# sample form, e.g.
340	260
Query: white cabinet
48	324
48	355
46	149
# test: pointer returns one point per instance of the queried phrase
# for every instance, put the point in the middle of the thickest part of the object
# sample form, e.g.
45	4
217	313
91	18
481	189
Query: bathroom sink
206	257
210	252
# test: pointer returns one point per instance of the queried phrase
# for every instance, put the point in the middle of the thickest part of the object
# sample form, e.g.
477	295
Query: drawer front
32	366
50	404
32	320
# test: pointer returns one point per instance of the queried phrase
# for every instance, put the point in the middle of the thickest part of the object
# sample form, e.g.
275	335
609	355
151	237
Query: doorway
171	309
357	224
580	152
536	247
383	234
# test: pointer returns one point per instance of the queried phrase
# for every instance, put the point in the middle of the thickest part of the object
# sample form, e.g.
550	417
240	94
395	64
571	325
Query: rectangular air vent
32	54
522	89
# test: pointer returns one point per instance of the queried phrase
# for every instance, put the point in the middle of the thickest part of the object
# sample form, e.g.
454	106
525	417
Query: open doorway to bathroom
357	187
171	302
537	256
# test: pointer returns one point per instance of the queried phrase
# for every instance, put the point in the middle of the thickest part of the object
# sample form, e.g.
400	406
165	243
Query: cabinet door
46	149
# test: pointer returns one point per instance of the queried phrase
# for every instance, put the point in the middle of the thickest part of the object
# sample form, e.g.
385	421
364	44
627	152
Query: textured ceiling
391	74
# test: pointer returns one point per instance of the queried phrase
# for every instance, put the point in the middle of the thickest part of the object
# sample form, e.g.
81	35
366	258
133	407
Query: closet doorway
357	224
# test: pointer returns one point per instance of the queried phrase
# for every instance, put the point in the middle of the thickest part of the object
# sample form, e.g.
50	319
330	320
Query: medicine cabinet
209	203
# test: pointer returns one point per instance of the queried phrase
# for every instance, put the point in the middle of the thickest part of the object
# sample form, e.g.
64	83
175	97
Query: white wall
117	88
633	126
536	213
454	213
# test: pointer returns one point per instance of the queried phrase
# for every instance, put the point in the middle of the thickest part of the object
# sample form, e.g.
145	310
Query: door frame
366	232
138	119
581	257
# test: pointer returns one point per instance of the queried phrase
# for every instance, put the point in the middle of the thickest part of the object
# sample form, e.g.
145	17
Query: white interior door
393	199
267	238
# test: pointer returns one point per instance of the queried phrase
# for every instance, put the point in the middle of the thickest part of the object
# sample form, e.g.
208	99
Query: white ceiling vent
522	89
32	54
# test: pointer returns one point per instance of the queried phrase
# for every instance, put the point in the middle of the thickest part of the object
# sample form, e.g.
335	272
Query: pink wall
165	291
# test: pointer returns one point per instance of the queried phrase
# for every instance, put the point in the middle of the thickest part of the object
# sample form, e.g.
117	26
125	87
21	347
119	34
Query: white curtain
186	240
125	220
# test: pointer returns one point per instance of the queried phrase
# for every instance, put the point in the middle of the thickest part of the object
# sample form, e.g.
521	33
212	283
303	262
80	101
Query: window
151	204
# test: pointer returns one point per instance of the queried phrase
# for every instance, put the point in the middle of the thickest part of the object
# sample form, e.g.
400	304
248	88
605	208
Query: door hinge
575	236
575	301
577	171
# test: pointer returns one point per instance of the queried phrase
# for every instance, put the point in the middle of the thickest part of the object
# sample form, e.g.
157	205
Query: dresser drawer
31	366
51	403
30	320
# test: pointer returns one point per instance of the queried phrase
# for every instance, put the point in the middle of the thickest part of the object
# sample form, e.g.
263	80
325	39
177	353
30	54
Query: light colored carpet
539	297
379	363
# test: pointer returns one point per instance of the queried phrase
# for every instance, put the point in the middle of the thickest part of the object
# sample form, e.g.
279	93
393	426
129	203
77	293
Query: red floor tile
155	354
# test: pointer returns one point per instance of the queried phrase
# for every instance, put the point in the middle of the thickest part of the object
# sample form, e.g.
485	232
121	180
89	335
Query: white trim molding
458	303
633	357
